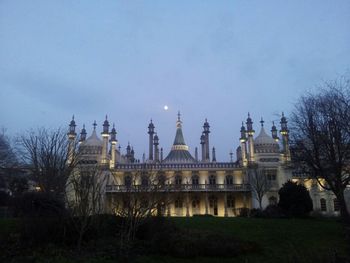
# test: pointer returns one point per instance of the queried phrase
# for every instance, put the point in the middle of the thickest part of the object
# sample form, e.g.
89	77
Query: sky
128	59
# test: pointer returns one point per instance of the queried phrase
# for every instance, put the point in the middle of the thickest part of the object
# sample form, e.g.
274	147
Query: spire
113	134
94	124
274	132
249	123
214	155
243	134
179	151
105	126
72	126
284	126
262	122
83	134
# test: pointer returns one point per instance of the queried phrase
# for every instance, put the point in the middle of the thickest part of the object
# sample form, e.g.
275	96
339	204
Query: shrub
294	199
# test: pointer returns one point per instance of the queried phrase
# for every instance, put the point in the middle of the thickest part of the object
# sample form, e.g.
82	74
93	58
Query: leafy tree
294	199
321	138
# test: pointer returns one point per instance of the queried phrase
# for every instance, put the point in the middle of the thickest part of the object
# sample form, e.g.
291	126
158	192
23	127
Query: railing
179	188
175	166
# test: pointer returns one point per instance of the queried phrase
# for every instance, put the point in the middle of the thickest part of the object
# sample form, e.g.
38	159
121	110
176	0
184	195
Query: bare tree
145	194
7	156
258	182
321	137
85	192
47	154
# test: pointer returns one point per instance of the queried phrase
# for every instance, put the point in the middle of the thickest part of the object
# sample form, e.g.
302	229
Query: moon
166	107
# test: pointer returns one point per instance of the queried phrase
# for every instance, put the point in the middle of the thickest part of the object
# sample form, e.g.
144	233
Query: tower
156	149
206	132
151	134
71	140
250	133
82	134
274	132
114	142
203	146
243	141
105	137
285	137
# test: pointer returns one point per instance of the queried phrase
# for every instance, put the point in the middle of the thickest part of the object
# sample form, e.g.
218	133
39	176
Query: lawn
279	240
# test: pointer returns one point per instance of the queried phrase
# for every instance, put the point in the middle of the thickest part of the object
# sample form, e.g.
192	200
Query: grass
280	240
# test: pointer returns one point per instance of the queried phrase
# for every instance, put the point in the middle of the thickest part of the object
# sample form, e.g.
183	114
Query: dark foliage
271	211
295	200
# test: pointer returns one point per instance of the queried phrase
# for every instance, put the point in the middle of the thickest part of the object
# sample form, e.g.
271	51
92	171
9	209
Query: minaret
156	149
206	136
71	140
82	134
250	133
274	132
196	154
243	141
161	154
113	141
285	137
105	137
214	155
203	146
128	153
151	133
132	155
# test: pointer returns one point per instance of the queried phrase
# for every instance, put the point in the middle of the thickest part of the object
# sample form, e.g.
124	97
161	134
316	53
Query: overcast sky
208	59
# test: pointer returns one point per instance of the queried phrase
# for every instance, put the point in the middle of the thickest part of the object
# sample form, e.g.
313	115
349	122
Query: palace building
190	185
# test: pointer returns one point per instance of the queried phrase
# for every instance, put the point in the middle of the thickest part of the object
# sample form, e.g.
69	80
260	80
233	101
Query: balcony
179	188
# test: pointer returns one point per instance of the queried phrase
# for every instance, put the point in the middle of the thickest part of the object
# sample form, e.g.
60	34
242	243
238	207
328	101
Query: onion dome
72	126
151	128
105	126
83	134
249	123
206	126
264	143
243	134
113	134
179	151
93	144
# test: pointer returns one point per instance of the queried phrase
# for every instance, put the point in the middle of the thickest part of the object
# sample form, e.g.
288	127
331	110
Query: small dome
93	140
264	143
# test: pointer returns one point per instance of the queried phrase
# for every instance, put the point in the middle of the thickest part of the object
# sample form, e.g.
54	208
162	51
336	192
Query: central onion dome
264	143
179	151
93	144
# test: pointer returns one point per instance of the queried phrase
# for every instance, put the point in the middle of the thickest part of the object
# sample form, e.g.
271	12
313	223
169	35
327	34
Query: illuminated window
336	204
323	204
230	201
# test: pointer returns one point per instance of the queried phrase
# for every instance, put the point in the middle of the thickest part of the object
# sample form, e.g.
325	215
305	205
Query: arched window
272	200
230	201
229	179
323	204
128	181
212	179
178	203
336	204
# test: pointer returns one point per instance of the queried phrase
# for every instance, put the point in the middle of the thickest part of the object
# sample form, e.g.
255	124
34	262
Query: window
178	203
127	181
212	179
230	201
195	203
271	175
178	179
229	179
272	200
213	201
161	179
195	179
336	204
323	204
144	180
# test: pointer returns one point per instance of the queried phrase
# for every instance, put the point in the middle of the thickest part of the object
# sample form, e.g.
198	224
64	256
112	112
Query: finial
248	115
113	125
282	114
262	122
73	117
151	120
106	116
206	120
178	116
84	126
273	123
94	124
